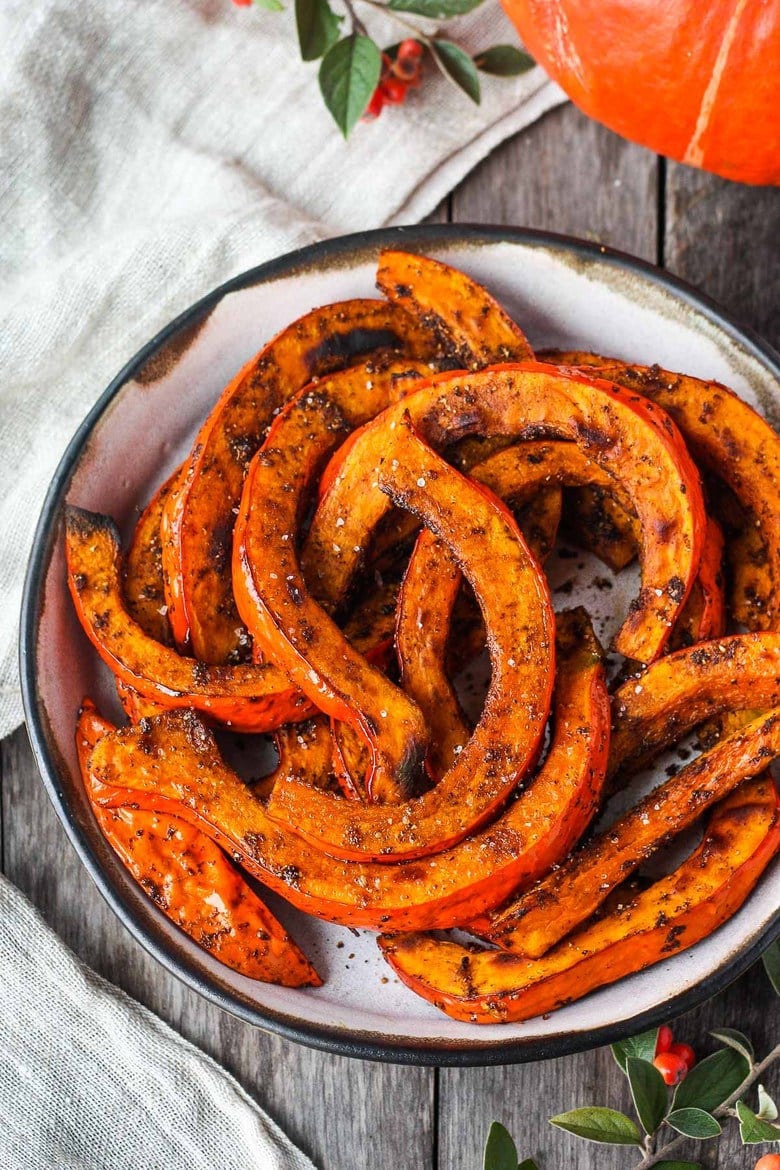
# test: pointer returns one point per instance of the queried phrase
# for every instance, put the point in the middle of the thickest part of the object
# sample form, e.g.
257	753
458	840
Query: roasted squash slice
246	698
143	584
489	987
199	513
728	438
471	327
171	763
680	691
518	615
630	438
546	913
271	594
189	878
593	520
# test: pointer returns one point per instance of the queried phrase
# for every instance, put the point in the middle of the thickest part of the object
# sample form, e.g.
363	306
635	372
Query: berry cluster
400	73
672	1060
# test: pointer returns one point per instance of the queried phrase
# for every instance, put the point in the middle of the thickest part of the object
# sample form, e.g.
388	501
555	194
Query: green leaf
270	5
678	1166
694	1123
651	1099
349	74
767	1110
599	1125
642	1046
528	1164
318	27
504	61
457	64
500	1150
736	1040
434	9
753	1129
771	961
709	1083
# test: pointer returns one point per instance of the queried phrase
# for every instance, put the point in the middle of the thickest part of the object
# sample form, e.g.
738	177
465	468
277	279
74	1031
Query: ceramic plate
563	293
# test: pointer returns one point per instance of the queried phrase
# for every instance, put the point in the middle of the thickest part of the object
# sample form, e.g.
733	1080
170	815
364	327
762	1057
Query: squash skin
171	763
618	430
543	915
471	327
185	874
728	438
272	596
247	697
197	520
142	577
695	82
489	987
518	615
691	685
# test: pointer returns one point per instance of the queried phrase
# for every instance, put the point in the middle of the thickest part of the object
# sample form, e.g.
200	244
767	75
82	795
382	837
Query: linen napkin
150	150
91	1080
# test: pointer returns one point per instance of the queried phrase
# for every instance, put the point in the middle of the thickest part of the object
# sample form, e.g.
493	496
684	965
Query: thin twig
419	35
357	23
723	1111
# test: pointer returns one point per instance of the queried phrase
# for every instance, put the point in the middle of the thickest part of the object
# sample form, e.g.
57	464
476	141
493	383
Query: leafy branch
357	77
709	1093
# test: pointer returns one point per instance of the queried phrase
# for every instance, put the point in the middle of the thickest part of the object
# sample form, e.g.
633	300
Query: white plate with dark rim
564	293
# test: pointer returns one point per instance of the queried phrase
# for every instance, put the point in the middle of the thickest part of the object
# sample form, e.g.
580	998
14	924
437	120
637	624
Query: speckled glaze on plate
564	293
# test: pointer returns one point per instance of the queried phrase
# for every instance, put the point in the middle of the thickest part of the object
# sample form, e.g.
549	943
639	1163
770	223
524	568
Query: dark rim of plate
364	1045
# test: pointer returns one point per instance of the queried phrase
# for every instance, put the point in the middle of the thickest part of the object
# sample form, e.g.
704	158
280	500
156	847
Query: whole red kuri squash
698	80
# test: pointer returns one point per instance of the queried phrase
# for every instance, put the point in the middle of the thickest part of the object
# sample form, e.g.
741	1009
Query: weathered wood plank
567	174
725	239
336	1109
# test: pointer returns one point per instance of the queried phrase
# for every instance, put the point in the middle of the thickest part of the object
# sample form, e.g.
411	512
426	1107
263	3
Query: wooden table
567	175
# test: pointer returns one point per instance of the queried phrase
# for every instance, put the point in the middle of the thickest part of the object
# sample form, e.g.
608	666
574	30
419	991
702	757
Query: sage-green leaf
596	1124
500	1150
753	1129
642	1046
651	1099
735	1039
270	5
318	27
678	1166
457	64
767	1110
504	61
349	74
694	1123
434	9
709	1083
771	961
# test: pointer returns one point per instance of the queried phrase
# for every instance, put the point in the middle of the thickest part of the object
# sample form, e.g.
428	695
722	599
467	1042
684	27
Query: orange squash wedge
626	435
142	577
171	763
543	915
471	327
189	878
481	534
490	987
197	520
246	697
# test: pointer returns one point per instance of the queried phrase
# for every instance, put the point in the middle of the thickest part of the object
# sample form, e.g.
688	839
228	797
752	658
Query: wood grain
567	174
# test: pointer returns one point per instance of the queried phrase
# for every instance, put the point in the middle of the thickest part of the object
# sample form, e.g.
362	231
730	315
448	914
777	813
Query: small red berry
686	1053
393	90
374	107
409	50
243	3
665	1039
768	1162
671	1067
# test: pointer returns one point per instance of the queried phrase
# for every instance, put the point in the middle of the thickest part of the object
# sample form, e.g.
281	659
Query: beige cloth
150	150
